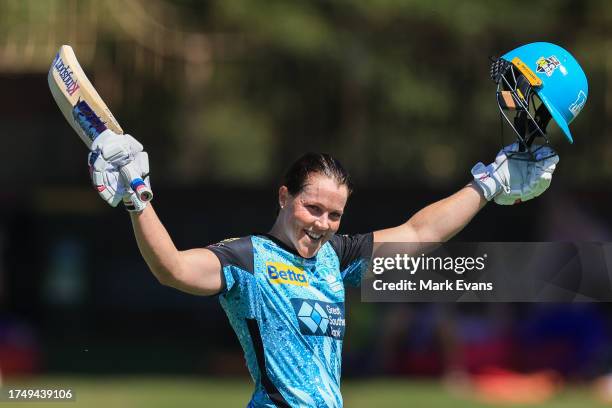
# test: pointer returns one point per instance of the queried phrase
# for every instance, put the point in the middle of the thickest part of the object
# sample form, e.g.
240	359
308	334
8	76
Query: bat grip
131	176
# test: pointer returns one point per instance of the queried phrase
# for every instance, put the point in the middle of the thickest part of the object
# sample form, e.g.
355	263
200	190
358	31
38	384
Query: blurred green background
389	86
224	95
189	392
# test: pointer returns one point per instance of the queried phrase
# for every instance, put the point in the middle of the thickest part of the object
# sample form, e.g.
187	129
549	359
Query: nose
322	223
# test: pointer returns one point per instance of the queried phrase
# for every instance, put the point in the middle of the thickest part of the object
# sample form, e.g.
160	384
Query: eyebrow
314	202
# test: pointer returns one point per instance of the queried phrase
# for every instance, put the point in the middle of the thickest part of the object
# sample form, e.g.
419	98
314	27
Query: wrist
473	185
486	180
133	204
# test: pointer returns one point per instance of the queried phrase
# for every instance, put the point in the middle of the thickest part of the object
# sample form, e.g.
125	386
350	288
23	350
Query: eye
313	208
335	216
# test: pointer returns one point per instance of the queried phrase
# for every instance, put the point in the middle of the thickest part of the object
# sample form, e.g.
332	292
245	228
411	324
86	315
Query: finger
113	181
101	165
142	160
134	146
97	177
104	192
132	202
506	153
115	151
133	175
108	185
103	138
117	198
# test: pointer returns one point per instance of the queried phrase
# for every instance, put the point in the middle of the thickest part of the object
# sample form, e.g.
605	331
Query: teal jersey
288	314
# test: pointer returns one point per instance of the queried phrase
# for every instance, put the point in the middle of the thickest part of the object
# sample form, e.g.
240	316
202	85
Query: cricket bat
83	108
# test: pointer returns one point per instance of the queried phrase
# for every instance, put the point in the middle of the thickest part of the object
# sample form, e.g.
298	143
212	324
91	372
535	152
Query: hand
117	150
516	176
110	183
120	151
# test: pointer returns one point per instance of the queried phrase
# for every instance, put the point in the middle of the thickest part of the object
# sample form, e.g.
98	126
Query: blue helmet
551	73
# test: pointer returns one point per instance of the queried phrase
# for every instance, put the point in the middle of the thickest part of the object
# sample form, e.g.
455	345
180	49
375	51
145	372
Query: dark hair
315	163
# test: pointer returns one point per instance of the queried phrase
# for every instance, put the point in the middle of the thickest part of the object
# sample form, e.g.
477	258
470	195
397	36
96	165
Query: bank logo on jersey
281	273
318	318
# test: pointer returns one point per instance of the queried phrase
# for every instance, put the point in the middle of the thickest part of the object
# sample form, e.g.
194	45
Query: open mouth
314	237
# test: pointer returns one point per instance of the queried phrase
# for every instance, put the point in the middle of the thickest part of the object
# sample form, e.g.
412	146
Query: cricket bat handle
131	176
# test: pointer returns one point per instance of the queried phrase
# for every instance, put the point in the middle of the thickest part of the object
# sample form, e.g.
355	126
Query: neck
278	232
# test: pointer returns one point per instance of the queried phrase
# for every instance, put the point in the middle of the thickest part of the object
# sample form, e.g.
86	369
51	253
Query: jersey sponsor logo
281	273
334	284
318	318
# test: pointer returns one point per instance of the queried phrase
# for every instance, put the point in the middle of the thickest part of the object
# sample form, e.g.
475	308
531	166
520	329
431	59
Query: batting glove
118	150
109	180
516	176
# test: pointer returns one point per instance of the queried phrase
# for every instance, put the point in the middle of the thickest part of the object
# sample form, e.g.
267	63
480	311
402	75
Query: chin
308	251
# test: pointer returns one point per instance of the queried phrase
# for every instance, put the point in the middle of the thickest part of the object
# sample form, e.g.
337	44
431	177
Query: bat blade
82	106
77	98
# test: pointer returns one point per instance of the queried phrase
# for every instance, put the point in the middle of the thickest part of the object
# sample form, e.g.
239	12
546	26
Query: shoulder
343	242
235	252
350	248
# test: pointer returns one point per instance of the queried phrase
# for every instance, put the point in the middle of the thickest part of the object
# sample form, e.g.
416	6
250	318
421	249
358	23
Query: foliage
232	91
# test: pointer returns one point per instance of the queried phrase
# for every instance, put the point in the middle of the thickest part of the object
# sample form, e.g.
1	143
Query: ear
283	196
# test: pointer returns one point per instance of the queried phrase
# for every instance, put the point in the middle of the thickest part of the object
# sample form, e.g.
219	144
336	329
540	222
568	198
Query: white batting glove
109	181
516	176
106	179
118	150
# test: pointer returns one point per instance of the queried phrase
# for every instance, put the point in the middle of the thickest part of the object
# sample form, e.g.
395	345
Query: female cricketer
283	291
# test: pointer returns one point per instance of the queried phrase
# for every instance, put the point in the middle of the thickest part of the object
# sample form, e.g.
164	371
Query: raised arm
196	271
437	222
513	177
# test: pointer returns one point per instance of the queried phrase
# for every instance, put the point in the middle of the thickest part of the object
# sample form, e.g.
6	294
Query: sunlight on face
311	217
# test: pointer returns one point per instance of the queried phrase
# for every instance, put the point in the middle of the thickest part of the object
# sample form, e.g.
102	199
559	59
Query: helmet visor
557	117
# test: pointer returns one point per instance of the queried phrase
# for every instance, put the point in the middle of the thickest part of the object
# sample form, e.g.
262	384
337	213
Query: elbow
163	280
164	276
425	233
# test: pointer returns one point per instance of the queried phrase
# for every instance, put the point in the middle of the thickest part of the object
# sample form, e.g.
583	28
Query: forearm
196	271
440	221
155	245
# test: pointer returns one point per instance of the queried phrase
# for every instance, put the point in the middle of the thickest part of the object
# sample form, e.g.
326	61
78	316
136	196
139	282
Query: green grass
158	392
